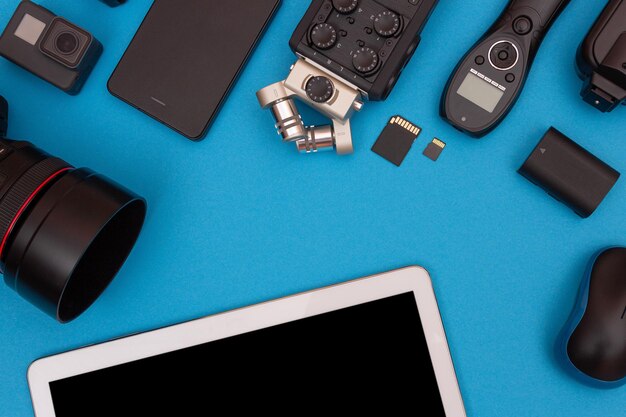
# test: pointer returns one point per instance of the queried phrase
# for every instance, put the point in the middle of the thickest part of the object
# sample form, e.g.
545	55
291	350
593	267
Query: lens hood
72	242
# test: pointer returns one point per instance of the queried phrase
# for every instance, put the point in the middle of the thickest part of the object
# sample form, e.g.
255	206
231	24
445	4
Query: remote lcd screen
367	357
480	92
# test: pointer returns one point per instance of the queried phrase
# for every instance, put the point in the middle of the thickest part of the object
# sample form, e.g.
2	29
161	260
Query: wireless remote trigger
487	82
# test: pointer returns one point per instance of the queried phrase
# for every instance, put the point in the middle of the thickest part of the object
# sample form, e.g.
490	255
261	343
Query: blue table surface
241	218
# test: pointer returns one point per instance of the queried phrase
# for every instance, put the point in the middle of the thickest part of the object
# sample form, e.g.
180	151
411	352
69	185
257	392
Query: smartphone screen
185	58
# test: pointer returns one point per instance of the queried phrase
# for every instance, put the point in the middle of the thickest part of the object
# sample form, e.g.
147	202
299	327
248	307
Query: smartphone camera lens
66	43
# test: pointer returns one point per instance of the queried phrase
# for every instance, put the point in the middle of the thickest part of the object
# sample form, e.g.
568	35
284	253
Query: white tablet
376	343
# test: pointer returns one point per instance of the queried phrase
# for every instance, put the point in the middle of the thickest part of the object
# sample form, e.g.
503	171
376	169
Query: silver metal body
326	138
344	101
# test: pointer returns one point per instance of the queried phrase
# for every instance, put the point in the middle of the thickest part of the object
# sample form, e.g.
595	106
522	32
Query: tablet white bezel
271	313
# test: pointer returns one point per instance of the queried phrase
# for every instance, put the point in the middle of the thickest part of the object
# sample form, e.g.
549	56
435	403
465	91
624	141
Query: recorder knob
345	6
319	89
365	59
387	23
323	36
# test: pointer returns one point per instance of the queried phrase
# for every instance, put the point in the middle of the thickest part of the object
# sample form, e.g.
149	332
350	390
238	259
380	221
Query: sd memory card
396	139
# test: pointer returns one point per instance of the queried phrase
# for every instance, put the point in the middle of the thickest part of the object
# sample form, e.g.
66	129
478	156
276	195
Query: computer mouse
592	345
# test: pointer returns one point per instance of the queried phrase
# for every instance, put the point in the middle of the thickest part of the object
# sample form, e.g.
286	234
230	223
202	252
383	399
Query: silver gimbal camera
321	90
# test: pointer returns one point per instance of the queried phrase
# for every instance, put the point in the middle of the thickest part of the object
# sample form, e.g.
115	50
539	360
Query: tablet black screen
369	358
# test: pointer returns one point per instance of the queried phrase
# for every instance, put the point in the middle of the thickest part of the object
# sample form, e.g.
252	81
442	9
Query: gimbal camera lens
64	232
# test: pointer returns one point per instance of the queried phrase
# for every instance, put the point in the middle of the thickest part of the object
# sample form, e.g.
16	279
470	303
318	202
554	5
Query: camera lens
64	232
66	43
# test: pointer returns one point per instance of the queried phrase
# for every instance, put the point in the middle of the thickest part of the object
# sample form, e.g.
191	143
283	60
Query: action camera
50	47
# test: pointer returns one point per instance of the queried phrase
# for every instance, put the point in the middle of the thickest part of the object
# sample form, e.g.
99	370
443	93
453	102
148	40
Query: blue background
241	218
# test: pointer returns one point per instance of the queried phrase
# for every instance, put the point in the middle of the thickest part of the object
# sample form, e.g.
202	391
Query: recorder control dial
319	89
387	23
323	36
365	59
345	6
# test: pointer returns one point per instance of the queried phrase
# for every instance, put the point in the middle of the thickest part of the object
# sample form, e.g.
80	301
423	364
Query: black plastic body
184	59
597	344
69	78
601	59
569	173
467	116
394	52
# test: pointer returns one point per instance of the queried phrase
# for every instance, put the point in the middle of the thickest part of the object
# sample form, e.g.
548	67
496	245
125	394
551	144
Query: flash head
601	59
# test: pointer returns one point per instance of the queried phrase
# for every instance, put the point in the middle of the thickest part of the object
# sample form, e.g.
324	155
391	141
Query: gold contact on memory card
439	143
405	124
434	149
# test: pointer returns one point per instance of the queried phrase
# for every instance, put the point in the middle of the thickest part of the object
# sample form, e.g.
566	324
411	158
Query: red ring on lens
24	206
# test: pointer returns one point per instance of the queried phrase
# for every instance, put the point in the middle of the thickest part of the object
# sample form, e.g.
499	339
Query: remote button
319	89
479	60
323	36
522	25
365	60
345	6
509	78
387	23
503	55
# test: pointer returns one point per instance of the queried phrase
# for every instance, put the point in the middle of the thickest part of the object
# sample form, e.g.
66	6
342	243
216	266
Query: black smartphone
185	58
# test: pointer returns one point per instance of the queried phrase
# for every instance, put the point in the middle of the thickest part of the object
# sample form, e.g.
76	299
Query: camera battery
569	173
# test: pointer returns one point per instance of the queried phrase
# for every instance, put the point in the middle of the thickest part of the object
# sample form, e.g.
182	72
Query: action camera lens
66	43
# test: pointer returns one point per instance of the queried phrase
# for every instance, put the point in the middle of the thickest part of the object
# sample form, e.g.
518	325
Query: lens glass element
66	43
